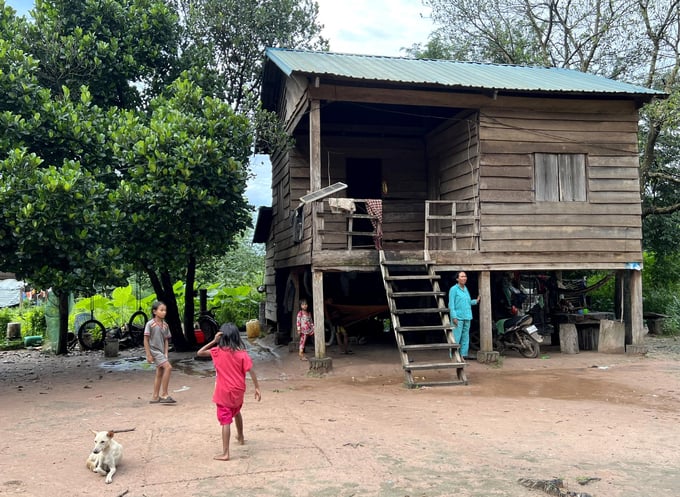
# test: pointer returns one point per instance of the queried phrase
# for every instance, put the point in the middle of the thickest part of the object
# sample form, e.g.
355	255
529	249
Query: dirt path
355	432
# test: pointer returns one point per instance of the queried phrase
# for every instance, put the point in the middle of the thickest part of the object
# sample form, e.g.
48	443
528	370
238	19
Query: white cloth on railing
338	205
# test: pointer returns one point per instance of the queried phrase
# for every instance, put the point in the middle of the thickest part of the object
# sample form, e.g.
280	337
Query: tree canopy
125	143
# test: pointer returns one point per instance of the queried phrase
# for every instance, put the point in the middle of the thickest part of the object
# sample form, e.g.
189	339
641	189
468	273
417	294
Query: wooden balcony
401	225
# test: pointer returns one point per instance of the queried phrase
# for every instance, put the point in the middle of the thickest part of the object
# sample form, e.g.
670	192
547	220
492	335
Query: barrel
253	329
13	331
111	347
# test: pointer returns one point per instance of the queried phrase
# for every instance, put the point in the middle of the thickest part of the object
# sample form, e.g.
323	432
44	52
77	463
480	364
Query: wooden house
408	169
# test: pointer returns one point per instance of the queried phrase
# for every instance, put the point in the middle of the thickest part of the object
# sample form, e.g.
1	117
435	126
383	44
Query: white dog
105	455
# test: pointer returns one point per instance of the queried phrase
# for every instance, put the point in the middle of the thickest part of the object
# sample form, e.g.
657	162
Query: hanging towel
338	205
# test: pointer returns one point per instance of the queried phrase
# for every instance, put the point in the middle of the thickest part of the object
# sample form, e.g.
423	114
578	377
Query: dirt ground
354	432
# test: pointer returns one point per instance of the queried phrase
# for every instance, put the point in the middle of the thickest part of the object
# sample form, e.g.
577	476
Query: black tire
135	327
209	327
531	349
91	335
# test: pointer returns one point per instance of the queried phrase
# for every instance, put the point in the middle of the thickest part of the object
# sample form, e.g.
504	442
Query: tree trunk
172	317
165	293
189	308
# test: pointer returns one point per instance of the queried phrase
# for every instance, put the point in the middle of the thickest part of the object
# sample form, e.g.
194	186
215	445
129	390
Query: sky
372	27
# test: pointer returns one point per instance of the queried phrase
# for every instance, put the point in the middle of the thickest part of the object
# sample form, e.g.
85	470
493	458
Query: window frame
560	177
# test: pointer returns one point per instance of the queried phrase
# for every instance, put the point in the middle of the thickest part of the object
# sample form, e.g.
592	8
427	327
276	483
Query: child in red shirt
232	362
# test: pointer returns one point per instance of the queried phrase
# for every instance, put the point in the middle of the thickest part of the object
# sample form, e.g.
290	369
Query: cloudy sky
373	27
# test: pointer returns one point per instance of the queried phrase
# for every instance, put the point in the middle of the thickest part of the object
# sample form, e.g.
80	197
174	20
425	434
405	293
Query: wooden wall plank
562	219
555	208
549	233
527	245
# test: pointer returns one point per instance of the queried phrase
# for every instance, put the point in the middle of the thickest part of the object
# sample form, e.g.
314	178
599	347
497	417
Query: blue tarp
10	292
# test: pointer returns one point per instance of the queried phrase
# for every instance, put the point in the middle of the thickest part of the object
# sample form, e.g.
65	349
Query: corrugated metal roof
464	75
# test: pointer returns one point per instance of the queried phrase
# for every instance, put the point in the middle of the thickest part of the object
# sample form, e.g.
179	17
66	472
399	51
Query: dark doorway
364	181
364	178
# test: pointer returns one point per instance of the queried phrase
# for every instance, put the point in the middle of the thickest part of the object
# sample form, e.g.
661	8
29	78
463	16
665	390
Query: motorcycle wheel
530	348
499	346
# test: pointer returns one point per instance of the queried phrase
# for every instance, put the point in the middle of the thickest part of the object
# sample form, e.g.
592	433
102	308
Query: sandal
167	400
303	358
155	401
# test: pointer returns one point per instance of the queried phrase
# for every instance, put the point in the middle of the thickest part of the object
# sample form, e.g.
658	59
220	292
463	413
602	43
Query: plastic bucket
200	337
111	347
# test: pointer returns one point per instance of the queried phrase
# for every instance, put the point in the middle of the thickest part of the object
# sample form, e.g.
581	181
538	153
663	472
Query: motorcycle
518	333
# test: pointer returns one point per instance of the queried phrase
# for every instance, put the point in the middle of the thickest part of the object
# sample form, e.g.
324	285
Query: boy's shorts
225	415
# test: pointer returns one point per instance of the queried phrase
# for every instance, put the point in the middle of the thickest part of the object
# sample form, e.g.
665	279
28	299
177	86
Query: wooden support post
315	170
319	331
636	320
485	321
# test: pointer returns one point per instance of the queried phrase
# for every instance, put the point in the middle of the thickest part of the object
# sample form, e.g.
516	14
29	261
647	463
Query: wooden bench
654	322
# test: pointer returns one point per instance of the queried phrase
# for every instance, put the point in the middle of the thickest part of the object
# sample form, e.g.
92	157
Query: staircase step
433	327
431	346
413	277
437	383
406	262
416	294
423	310
434	365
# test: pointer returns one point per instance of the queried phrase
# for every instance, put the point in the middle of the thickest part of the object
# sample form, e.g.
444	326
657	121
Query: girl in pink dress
305	326
232	362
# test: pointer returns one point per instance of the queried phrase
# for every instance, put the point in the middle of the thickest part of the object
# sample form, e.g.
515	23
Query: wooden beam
485	321
469	100
319	332
636	321
315	171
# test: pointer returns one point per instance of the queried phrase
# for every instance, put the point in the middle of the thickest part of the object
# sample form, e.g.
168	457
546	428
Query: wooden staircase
420	318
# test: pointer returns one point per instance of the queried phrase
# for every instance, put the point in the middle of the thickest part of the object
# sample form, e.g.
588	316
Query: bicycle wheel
135	327
91	335
209	327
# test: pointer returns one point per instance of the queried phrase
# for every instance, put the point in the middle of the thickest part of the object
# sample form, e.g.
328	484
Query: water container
200	337
33	341
253	329
111	347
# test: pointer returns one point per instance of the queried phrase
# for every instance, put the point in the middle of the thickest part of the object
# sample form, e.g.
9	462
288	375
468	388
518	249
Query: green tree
121	49
229	37
182	194
242	266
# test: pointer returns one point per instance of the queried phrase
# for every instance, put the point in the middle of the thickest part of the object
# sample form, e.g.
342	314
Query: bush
33	321
7	315
235	305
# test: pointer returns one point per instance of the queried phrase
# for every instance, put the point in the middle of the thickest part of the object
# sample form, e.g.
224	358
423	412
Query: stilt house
404	171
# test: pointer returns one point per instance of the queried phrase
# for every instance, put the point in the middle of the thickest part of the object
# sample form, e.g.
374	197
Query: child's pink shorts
225	415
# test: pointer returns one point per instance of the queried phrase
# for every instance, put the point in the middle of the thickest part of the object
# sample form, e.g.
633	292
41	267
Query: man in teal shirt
460	309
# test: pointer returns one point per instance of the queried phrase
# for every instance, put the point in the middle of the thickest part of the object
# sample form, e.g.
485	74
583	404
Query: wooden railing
399	224
451	225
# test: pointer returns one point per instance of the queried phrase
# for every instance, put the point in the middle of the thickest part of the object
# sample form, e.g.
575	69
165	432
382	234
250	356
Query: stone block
568	339
612	337
487	357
